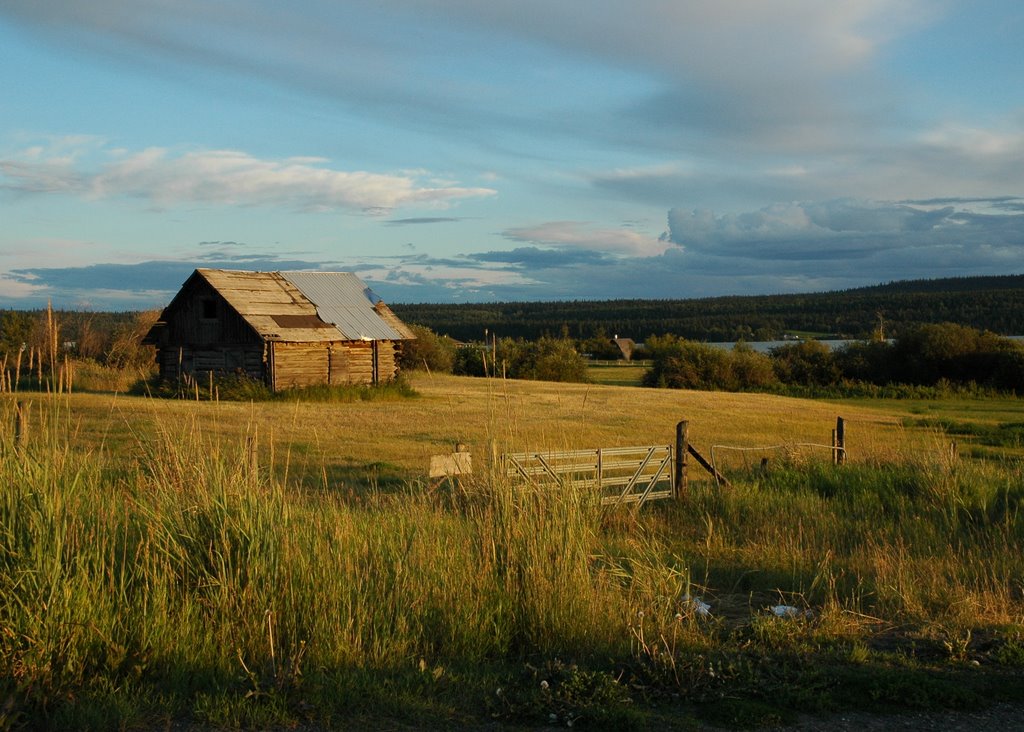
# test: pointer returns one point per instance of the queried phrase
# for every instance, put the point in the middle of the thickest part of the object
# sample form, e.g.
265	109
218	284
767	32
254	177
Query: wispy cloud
583	236
700	65
418	220
534	258
220	177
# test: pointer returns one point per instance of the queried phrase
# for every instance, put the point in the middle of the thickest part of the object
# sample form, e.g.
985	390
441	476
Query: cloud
924	168
117	286
221	177
689	63
578	235
423	220
536	258
796	247
911	240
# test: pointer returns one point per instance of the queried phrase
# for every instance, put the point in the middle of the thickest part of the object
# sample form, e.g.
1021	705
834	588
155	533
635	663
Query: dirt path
998	717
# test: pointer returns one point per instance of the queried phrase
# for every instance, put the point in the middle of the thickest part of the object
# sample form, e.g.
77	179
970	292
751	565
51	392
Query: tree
15	330
126	349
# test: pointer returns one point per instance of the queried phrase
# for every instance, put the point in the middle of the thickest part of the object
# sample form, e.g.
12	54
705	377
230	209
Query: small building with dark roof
626	347
288	329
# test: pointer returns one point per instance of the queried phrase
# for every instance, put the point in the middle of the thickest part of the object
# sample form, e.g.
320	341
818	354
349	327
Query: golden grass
135	529
488	415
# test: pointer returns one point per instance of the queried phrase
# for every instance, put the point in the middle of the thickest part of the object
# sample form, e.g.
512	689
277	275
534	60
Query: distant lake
765	346
836	344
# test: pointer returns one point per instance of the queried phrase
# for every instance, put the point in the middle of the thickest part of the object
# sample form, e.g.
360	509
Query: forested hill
987	303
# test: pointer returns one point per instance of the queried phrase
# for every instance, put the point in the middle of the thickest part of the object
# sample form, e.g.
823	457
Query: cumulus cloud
578	235
222	177
851	234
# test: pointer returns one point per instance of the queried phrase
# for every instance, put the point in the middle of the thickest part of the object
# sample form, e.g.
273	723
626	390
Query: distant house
626	347
288	329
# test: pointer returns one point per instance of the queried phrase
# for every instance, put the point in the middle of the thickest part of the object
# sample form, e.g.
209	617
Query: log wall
248	360
336	363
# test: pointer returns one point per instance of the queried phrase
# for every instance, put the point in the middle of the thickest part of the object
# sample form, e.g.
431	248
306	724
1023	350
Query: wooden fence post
682	453
840	441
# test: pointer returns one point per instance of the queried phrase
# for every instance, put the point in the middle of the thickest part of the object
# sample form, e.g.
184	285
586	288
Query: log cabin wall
387	359
204	334
299	364
335	363
174	362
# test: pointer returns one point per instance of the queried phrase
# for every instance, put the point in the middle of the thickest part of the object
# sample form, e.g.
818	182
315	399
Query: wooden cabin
288	329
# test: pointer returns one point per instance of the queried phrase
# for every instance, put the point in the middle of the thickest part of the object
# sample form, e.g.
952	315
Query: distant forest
986	303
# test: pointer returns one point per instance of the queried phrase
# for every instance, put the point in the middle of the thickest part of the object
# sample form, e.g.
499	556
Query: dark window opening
209	308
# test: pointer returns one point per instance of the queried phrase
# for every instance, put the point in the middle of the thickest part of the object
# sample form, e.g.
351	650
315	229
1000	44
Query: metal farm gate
618	474
637	474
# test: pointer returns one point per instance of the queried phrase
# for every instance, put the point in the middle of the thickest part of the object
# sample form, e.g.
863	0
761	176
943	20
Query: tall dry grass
164	568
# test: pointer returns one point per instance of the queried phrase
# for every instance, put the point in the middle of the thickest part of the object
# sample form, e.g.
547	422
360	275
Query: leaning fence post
681	460
840	441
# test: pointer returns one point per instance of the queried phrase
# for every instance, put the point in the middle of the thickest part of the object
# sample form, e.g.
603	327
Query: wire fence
790	450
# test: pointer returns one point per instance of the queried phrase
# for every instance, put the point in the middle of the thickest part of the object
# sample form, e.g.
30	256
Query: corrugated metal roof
344	301
283	306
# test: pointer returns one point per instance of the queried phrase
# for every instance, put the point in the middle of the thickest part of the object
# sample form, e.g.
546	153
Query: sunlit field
226	564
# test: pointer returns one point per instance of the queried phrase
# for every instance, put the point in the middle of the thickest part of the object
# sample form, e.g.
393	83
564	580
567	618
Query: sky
467	151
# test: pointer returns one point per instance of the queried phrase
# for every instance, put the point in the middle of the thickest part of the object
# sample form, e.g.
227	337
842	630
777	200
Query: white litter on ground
788	611
700	608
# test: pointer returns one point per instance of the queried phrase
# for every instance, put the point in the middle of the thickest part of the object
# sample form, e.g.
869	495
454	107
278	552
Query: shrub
551	359
682	364
428	351
807	363
469	361
548	359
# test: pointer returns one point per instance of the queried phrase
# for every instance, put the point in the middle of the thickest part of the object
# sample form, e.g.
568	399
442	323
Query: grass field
617	373
151	577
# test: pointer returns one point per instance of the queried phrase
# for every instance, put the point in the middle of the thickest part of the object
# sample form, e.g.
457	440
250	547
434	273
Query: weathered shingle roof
307	306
